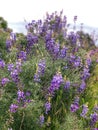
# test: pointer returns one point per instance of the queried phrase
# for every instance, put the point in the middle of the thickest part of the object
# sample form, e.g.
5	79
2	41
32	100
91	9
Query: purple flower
64	34
14	75
41	67
22	55
72	59
72	38
96	108
31	39
75	106
28	93
77	62
36	78
4	81
94	118
20	94
47	107
75	18
67	85
18	65
84	111
50	45
10	67
42	118
13	36
48	37
88	62
28	100
55	83
8	44
13	108
40	70
21	97
2	64
64	22
56	49
63	52
85	74
82	86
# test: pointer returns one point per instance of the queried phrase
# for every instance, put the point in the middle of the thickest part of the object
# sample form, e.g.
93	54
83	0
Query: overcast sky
18	10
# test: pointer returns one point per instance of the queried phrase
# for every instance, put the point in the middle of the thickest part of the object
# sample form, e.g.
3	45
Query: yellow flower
49	120
37	51
49	99
52	34
36	68
65	78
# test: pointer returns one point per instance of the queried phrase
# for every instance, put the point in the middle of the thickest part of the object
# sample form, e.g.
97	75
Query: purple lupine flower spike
84	111
13	108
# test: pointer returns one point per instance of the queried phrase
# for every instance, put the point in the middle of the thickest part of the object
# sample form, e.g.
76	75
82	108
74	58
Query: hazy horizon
20	27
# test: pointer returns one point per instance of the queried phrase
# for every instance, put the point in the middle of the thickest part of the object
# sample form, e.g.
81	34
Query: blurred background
18	12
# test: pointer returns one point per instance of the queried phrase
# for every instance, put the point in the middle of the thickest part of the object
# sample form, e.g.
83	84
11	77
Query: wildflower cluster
49	75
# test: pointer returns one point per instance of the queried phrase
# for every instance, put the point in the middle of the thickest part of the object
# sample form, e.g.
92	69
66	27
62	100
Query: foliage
3	23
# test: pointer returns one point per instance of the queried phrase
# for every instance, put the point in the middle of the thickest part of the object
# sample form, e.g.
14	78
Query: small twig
22	121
